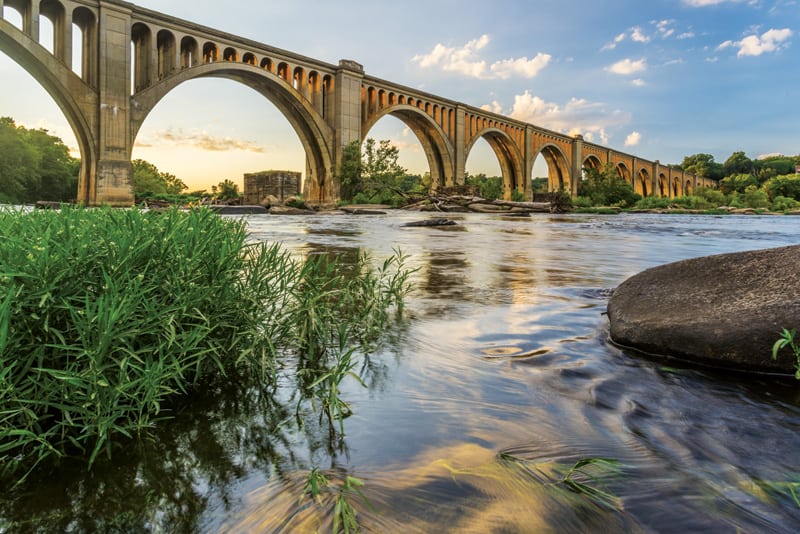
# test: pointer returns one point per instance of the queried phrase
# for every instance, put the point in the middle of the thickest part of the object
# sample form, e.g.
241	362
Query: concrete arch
86	23
76	99
663	185
558	177
592	162
624	172
190	52
508	156
306	122
642	185
438	150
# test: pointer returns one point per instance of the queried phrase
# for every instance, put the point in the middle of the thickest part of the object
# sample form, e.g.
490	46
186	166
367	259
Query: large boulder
725	311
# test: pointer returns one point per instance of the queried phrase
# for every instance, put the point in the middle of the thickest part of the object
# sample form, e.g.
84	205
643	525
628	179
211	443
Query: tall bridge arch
309	126
132	57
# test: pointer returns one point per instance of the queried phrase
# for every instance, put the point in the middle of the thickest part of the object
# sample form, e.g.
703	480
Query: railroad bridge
131	57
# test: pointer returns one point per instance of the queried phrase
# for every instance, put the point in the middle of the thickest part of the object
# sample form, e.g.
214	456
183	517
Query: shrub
692	202
653	203
784	203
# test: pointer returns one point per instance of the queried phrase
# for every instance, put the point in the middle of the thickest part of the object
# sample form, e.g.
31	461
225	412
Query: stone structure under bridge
131	57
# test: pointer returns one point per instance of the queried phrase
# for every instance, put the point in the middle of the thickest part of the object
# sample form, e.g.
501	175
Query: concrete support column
114	183
528	161
30	20
654	179
346	119
65	40
577	165
460	146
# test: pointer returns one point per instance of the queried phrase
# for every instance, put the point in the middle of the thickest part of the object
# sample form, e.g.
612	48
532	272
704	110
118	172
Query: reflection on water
504	351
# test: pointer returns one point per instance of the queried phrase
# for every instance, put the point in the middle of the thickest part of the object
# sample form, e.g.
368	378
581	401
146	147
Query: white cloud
633	139
686	35
638	36
613	44
638	82
706	3
577	116
755	45
703	3
527	68
199	139
663	27
467	61
628	66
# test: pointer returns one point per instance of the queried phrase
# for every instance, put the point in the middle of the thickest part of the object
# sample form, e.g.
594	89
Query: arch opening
482	171
411	154
551	163
202	152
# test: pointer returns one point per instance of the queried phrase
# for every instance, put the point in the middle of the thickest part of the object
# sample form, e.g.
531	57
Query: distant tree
149	181
703	165
738	163
773	166
226	190
489	188
372	174
35	165
605	187
350	170
787	186
380	170
539	185
737	183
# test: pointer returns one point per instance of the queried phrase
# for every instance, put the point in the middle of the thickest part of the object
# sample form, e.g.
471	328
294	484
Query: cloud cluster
578	116
633	139
628	66
661	29
754	45
467	60
199	139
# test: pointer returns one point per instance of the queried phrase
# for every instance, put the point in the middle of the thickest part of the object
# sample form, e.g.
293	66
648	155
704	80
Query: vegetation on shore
111	319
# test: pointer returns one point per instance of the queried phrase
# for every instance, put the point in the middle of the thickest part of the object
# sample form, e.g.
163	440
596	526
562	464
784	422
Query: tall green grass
109	319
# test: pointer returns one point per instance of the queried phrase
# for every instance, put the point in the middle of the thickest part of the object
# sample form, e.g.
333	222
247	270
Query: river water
499	379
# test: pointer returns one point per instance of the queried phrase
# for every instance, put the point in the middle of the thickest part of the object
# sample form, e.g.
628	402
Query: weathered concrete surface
725	310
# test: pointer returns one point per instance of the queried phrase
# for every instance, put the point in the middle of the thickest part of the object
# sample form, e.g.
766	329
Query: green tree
371	173
738	163
737	183
787	186
489	188
17	163
379	168
350	171
149	181
226	190
35	165
605	187
703	165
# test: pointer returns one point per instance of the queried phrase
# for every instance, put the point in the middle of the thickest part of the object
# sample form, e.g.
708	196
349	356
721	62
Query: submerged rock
724	311
431	222
246	209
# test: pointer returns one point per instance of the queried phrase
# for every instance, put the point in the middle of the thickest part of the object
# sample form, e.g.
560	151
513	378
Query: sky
662	79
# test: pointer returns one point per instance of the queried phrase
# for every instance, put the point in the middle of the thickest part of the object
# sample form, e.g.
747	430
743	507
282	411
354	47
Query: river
499	379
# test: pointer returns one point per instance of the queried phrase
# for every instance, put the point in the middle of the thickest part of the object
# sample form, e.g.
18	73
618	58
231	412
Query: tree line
766	183
35	165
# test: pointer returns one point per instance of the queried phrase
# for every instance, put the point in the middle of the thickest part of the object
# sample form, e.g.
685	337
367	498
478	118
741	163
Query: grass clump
786	339
109	318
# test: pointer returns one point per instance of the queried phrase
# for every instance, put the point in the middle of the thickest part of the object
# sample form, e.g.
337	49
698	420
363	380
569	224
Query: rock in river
723	311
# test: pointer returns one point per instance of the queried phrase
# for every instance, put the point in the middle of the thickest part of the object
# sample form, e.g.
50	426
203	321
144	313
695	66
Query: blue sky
662	79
